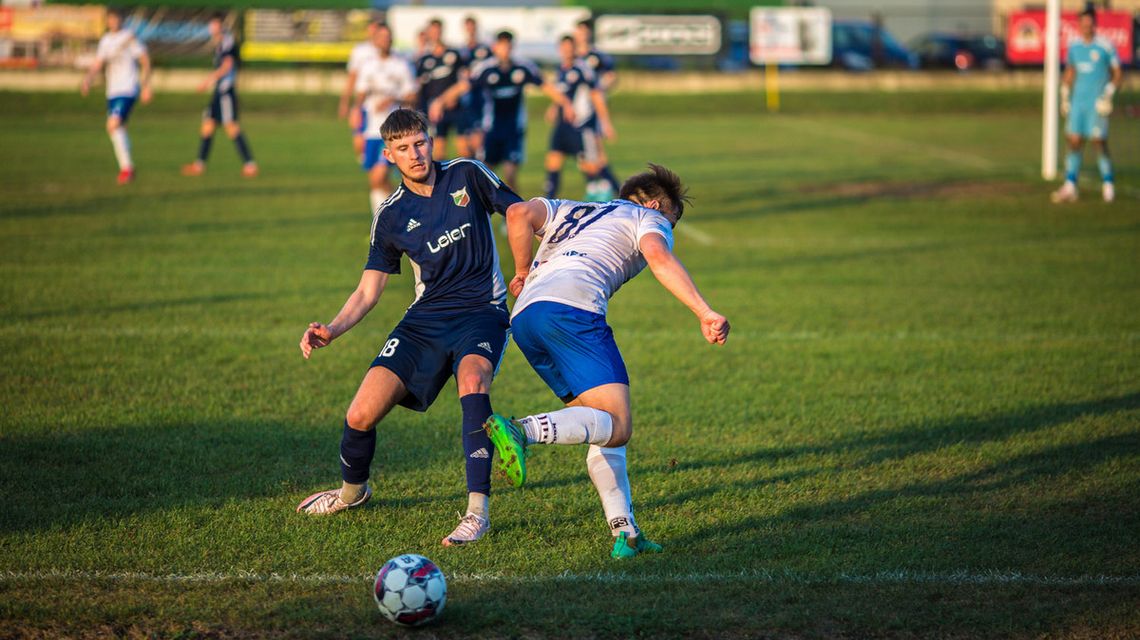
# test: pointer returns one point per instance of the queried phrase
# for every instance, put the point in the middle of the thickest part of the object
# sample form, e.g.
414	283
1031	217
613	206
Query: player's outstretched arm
603	111
560	99
672	275
357	306
90	77
448	98
524	219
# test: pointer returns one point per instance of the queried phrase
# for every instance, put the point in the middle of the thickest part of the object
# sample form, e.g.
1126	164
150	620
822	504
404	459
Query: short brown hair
658	184
403	122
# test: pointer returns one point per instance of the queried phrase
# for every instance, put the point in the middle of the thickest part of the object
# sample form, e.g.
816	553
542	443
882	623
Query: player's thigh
380	390
613	398
478	343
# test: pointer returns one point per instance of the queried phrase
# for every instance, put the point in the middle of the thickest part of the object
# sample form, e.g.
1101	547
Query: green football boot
510	444
623	549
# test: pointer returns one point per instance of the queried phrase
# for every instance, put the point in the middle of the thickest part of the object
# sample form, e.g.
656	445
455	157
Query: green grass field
926	422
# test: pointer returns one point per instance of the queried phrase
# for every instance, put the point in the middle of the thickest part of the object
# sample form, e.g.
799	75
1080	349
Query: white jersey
588	251
361	53
384	82
119	52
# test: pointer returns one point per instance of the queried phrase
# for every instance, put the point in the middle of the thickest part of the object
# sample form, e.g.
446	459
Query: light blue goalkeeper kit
1092	64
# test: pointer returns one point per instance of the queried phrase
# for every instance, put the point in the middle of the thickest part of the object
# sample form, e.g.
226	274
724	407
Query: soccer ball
410	590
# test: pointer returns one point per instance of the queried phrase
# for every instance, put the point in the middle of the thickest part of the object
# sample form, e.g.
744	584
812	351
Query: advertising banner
1025	38
657	34
799	35
302	36
536	30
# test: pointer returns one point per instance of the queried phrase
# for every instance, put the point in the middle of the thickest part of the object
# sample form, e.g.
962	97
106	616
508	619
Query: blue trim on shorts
571	349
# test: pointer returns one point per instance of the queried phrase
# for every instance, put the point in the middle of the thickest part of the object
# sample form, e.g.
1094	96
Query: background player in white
383	83
361	53
128	79
1092	74
588	251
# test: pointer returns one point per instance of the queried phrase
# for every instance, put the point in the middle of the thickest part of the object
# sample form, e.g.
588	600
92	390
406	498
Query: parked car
961	52
860	46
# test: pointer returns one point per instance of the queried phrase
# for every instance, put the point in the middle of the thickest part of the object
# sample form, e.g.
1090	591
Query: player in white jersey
128	79
361	53
382	84
588	251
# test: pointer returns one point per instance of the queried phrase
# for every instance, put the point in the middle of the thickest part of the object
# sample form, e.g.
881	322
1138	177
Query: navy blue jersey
437	73
448	237
503	86
598	62
472	57
576	82
227	47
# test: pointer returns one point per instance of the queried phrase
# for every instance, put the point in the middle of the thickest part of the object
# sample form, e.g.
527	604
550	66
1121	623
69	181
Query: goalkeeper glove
1104	102
1065	105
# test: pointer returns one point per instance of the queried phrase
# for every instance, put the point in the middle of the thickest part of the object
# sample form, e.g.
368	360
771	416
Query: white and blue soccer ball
410	590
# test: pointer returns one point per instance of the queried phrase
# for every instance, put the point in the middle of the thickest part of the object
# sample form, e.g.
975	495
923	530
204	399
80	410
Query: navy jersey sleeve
229	48
495	195
383	255
533	75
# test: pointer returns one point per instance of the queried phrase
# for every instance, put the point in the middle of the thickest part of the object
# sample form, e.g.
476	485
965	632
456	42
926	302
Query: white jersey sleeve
360	54
385	82
588	251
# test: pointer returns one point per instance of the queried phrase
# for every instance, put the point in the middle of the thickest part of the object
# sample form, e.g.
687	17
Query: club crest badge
461	198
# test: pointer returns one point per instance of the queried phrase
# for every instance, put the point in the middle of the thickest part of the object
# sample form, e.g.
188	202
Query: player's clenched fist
316	336
714	327
516	284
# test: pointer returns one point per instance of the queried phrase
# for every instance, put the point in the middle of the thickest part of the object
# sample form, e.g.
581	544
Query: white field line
698	236
760	576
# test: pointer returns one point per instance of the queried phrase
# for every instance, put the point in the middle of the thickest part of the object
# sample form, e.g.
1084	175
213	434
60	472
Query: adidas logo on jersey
485	345
480	453
412	224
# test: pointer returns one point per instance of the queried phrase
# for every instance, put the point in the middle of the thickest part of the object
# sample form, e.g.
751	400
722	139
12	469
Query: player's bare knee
207	129
233	130
113	124
361	419
472	382
622	429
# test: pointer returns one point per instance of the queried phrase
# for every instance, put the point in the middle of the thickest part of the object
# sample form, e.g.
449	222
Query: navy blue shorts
581	142
572	350
424	350
504	146
452	119
223	107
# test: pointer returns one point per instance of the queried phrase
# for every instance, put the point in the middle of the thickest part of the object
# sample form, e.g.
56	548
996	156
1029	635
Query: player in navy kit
471	122
223	104
602	64
438	69
503	80
577	138
440	216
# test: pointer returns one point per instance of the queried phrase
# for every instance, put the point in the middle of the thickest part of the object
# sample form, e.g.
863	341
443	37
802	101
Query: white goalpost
1049	122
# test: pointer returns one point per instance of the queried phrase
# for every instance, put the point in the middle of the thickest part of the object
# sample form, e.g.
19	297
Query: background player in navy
223	104
602	65
474	51
578	138
440	216
503	80
439	69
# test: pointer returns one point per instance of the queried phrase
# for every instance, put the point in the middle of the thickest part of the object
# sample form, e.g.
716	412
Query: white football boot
470	528
1108	191
324	503
1067	193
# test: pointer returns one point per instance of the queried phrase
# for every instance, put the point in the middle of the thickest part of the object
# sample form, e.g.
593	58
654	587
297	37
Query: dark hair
219	16
436	22
1089	11
658	184
505	35
589	24
471	18
118	12
567	38
403	122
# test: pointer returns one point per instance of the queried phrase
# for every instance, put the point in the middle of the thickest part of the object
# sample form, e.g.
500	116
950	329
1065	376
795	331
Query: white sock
122	145
572	425
377	197
477	504
607	471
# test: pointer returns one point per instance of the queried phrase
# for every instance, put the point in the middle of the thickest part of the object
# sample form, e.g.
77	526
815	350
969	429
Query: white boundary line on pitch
950	578
698	236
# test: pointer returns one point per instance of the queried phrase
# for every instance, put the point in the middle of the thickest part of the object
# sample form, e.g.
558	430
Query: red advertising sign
1025	39
5	19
